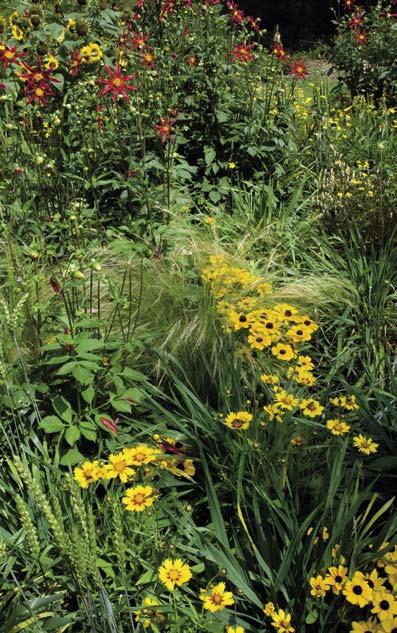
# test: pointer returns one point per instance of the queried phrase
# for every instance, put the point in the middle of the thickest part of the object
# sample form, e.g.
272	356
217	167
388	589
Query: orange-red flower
356	20
237	15
117	84
164	128
278	51
243	53
298	69
10	56
361	37
37	83
349	4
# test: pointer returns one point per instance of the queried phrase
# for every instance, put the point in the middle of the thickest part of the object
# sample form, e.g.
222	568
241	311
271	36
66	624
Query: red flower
55	285
10	56
147	57
210	3
237	15
139	4
298	69
361	37
278	51
253	22
164	128
112	426
139	40
75	63
349	4
356	21
117	84
243	53
37	83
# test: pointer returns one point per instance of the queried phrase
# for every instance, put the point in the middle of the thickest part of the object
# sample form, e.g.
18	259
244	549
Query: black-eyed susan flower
318	586
283	351
389	625
119	466
286	311
138	498
357	590
338	427
336	578
282	622
365	444
375	581
259	340
174	573
367	626
299	334
239	420
384	605
216	598
311	408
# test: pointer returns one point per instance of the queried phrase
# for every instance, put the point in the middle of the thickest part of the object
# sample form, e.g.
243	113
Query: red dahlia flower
10	56
147	58
278	51
37	83
356	21
361	37
139	40
75	62
253	23
164	128
237	15
349	4
298	69
117	84
243	53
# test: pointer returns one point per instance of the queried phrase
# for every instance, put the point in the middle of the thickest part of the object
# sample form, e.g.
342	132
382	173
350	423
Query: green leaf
72	434
63	409
71	457
311	617
209	155
121	405
134	375
51	424
83	375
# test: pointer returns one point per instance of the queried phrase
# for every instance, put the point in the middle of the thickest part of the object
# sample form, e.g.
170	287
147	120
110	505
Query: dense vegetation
197	322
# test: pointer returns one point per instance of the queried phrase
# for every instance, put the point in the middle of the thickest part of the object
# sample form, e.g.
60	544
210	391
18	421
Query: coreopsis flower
361	37
338	427
239	421
243	53
281	621
149	614
235	629
87	473
216	598
140	454
117	84
319	586
365	444
164	128
357	591
283	352
269	609
10	56
270	379
119	467
138	498
298	69
311	408
174	573
285	401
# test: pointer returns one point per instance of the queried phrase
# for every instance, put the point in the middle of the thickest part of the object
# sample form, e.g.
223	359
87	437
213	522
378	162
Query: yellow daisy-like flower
282	622
307	322
287	311
140	454
298	440
87	473
17	32
311	408
189	468
305	362
235	629
119	467
338	427
91	53
239	421
285	400
299	334
389	625
217	598
51	63
274	412
336	578
237	320
385	605
71	25
174	573
259	341
375	581
149	613
368	626
270	379
319	586
357	590
304	377
283	352
269	609
350	404
364	444
138	498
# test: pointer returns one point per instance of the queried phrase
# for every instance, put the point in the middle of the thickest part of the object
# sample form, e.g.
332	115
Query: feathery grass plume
30	529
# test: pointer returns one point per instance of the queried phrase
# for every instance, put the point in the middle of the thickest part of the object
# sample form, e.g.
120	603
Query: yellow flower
283	352
189	468
368	626
259	340
365	444
305	362
235	629
336	578
231	165
217	598
319	586
239	421
209	219
298	440
338	427
385	605
87	473
269	609
149	612
303	377
70	26
285	400
91	53
140	454
264	288
174	573
311	408
270	379
17	33
287	311
273	411
357	590
282	622
237	320
139	498
52	63
375	581
299	333
119	467
388	626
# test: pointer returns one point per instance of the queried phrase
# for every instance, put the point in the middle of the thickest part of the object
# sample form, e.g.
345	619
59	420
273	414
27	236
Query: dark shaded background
303	23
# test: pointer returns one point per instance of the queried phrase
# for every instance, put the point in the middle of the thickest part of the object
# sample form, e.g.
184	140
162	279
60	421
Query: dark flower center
338	579
242	318
269	326
357	590
299	332
384	605
282	351
288	313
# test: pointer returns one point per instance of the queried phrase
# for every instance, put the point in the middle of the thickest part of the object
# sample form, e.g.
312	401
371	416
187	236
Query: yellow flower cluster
281	620
373	589
91	53
125	466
